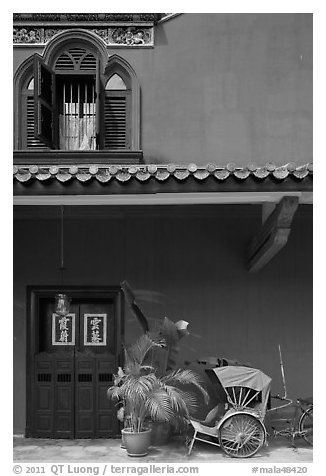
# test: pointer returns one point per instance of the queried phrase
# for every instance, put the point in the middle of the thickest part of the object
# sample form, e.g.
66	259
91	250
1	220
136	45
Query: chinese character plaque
63	329
95	329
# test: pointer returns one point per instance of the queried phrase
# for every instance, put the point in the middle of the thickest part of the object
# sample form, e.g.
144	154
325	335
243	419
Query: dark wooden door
73	367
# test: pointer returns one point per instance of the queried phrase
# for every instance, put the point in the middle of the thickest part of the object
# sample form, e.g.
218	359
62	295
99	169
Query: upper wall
219	88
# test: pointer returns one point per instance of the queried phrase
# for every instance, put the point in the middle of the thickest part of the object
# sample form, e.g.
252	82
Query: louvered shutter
32	142
117	120
44	101
99	95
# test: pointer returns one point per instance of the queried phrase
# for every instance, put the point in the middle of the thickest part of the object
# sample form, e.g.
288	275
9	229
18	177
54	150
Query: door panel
71	376
85	389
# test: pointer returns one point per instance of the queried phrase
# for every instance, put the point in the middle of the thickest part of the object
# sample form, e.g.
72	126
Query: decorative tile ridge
160	172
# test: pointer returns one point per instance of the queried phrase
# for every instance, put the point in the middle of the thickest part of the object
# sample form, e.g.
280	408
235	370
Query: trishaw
245	394
240	432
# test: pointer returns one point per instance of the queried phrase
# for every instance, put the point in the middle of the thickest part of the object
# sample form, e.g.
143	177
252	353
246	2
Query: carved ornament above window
115	29
122	35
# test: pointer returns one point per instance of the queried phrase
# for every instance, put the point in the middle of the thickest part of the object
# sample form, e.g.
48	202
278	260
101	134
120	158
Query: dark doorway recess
71	362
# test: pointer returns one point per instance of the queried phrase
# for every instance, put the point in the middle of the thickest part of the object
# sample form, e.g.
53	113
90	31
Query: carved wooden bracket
273	235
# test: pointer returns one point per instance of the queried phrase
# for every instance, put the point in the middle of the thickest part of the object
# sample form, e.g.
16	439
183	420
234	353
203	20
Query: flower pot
123	445
136	444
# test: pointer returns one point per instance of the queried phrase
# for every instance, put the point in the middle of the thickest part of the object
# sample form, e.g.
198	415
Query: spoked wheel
241	435
306	426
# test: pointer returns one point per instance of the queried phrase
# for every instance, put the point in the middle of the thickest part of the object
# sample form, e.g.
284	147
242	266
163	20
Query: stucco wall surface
220	88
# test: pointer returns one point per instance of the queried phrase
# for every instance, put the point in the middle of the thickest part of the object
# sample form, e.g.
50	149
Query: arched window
116	113
121	105
77	96
74	99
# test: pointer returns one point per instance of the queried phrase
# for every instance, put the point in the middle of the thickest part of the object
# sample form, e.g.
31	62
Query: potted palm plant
146	396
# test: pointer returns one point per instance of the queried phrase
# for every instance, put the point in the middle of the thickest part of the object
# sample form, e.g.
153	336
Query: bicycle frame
294	429
295	421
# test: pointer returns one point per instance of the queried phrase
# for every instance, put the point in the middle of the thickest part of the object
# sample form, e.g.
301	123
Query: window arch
30	85
116	113
115	83
24	119
122	89
74	98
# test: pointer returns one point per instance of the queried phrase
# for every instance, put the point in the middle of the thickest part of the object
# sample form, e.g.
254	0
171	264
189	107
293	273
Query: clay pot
136	444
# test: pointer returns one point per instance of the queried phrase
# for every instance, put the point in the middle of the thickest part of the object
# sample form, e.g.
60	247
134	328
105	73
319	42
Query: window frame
107	67
118	65
115	93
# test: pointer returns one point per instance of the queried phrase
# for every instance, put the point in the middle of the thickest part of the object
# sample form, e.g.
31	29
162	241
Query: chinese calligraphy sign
63	329
95	329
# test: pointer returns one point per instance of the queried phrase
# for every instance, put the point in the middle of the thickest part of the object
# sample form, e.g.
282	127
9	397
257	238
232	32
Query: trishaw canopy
239	376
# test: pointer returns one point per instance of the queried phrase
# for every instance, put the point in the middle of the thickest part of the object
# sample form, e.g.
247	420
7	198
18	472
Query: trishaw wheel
306	426
241	435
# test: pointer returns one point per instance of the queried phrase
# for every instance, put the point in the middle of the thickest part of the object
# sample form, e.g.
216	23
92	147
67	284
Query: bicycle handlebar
279	397
287	401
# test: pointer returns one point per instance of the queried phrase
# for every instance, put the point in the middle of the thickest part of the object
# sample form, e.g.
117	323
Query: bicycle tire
306	426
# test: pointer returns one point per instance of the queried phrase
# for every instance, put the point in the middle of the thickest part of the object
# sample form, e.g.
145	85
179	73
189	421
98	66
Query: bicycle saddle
306	400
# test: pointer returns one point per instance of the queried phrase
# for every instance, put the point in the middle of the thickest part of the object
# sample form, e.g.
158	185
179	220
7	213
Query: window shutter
32	142
98	87
43	102
116	121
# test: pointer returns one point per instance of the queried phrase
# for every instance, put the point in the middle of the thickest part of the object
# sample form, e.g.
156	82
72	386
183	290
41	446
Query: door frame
34	294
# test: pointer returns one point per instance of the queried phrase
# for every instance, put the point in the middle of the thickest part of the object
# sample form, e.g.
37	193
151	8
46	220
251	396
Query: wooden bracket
273	235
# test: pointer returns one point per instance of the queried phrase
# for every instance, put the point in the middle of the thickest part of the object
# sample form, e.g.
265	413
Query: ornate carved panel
127	36
117	36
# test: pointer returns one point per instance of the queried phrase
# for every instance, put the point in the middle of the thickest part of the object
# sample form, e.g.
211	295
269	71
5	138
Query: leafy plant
170	331
145	395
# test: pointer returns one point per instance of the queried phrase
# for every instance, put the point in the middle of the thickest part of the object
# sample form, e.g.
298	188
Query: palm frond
139	387
143	393
131	367
115	392
186	377
131	300
138	351
158	406
169	331
150	368
177	400
181	401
